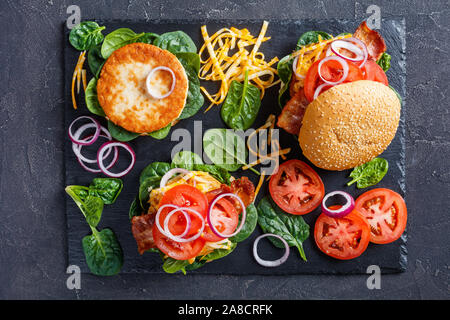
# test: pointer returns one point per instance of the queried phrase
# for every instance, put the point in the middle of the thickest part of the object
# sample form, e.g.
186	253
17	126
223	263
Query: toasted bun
122	91
349	125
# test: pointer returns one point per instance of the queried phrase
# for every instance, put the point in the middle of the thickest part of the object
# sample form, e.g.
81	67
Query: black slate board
390	258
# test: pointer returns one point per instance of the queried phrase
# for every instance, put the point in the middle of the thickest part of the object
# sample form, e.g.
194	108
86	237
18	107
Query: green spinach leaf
103	253
117	39
95	60
249	226
90	206
216	254
161	133
145	188
241	105
176	41
190	59
90	96
194	100
292	228
86	35
186	160
135	208
385	61
171	265
108	189
154	169
225	148
284	68
370	173
312	37
120	133
148	38
221	174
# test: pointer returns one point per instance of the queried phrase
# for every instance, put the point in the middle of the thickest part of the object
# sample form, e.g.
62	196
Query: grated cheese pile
229	58
309	54
78	74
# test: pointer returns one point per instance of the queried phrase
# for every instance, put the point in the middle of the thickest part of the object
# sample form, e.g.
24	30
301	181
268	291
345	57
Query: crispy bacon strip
291	117
141	227
372	39
242	187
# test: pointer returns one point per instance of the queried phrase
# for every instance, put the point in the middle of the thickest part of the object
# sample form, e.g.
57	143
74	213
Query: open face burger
338	99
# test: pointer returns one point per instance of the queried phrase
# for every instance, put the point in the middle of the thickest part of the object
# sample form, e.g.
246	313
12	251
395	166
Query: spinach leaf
171	265
194	99
86	35
249	225
135	209
186	160
95	60
103	253
190	59
120	133
241	105
176	41
148	38
284	68
225	148
222	175
311	37
370	173
385	61
161	133
145	189
108	189
216	254
90	206
154	169
90	96
292	228
117	39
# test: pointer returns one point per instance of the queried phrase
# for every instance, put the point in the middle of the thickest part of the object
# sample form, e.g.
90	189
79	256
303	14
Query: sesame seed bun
122	90
349	124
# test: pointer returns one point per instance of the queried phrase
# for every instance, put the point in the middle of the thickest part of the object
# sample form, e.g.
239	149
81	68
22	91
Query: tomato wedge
296	187
225	219
385	211
372	71
183	196
332	71
342	238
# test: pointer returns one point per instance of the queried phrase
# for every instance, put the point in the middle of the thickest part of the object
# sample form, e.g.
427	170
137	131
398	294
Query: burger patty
122	90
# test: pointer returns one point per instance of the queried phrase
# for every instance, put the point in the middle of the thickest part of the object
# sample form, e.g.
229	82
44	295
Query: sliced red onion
268	263
77	147
344	65
343	210
76	138
166	231
354	45
320	89
149	87
244	214
113	160
109	145
294	68
169	175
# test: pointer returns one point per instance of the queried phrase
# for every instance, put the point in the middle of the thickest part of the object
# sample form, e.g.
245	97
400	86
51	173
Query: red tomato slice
385	210
177	250
332	71
342	238
372	71
225	219
296	187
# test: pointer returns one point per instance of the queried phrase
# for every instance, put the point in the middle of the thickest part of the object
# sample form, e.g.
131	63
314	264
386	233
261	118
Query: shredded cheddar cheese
260	183
229	59
77	75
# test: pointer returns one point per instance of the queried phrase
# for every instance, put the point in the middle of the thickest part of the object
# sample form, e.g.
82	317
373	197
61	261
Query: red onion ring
343	210
76	148
354	45
170	235
165	178
83	142
319	90
108	145
149	77
294	68
268	263
244	214
113	161
344	65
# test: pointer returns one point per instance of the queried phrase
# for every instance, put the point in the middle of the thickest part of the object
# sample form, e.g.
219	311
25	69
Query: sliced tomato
372	71
177	250
342	238
296	187
225	219
385	211
184	196
332	71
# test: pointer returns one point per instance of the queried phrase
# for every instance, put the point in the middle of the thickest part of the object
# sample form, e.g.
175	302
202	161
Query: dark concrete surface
32	229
